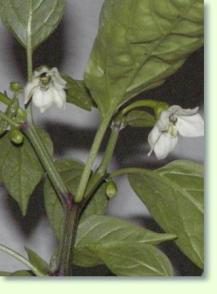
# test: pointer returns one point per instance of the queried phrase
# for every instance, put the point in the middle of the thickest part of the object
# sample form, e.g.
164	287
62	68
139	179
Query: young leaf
37	261
20	169
135	259
139	44
70	171
139	118
174	196
31	21
77	93
99	231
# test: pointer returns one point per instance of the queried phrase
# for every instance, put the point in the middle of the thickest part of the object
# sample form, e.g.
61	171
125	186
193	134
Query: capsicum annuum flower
173	122
46	88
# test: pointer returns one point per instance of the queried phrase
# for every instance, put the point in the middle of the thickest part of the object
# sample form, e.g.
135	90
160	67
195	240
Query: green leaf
31	21
4	274
22	273
139	118
37	261
139	44
77	93
99	231
135	259
20	169
174	196
98	204
17	273
70	171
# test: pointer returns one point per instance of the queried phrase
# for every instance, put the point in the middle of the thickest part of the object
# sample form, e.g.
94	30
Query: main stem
68	240
69	230
91	158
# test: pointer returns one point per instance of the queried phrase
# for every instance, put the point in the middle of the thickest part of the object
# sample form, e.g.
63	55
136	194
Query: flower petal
179	111
59	97
40	70
59	82
29	90
42	99
163	121
153	137
165	145
190	126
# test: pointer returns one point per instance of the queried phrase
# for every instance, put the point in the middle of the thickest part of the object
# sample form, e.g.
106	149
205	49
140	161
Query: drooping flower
173	122
46	88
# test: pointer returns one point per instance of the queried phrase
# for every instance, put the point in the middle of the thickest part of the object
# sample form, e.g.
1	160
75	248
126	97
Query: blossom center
45	80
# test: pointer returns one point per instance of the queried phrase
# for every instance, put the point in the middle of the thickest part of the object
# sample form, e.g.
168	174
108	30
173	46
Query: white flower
173	122
46	88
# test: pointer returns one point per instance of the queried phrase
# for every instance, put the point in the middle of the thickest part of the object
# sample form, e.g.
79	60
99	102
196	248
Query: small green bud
21	116
15	87
161	106
111	189
16	136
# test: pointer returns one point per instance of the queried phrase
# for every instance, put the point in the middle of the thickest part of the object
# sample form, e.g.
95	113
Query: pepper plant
139	44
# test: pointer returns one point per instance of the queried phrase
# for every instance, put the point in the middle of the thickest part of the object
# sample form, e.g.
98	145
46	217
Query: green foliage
96	232
77	93
139	44
139	118
20	273
37	261
135	259
174	196
31	21
11	112
70	171
20	169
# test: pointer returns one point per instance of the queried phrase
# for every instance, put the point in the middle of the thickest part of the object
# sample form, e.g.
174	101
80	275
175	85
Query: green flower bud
21	116
111	189
16	136
15	87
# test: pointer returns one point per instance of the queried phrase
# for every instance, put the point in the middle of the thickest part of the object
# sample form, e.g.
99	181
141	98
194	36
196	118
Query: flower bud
16	136
15	86
111	189
21	116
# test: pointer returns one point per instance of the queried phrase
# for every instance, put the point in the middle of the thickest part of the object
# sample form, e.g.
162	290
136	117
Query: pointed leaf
139	44
98	231
174	196
37	261
135	259
20	169
77	93
31	21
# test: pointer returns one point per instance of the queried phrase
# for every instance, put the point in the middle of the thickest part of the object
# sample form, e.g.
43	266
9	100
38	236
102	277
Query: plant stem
4	99
46	159
91	158
141	103
67	245
109	150
47	162
8	119
29	65
70	208
22	259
